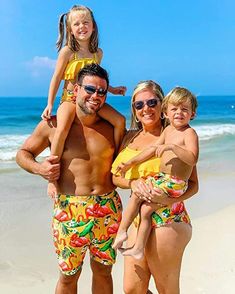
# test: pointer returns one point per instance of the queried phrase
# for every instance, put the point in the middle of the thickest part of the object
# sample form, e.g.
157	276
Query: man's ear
75	89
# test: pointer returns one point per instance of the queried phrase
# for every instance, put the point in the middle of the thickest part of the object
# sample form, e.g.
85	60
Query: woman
171	224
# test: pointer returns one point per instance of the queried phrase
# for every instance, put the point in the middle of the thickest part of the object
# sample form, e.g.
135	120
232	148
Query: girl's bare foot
120	238
134	252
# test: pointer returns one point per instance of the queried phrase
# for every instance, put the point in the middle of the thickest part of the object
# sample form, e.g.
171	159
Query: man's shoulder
50	123
46	126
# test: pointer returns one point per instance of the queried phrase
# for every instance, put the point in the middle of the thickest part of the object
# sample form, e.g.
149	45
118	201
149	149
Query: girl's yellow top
144	169
76	64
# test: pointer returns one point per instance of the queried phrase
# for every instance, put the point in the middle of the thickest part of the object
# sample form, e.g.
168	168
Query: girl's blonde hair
70	40
179	95
142	86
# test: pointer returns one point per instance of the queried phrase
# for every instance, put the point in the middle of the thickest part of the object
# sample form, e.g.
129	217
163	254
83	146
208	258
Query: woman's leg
127	218
144	229
136	272
164	251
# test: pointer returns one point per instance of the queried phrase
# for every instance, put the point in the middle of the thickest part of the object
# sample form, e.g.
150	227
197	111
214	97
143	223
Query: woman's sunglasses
91	90
150	103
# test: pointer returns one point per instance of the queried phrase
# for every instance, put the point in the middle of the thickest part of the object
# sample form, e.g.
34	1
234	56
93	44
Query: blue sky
186	43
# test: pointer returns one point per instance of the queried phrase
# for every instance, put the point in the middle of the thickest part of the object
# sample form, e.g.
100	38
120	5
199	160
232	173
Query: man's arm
32	147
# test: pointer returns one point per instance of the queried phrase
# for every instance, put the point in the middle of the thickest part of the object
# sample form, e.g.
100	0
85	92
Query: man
87	209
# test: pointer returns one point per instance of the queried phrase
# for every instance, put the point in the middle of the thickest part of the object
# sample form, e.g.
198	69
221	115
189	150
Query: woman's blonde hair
142	86
70	40
177	96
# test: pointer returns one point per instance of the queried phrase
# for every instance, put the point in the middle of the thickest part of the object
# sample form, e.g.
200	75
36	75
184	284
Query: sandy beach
28	263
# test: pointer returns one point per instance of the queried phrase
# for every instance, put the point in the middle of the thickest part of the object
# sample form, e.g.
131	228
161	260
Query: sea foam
9	144
208	132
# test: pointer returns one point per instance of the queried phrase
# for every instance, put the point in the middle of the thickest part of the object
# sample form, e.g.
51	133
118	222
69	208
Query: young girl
178	149
81	49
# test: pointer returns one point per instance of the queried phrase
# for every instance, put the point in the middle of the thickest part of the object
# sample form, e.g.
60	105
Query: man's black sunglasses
91	90
150	103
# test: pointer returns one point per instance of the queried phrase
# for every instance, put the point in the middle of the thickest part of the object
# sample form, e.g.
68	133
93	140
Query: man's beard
87	110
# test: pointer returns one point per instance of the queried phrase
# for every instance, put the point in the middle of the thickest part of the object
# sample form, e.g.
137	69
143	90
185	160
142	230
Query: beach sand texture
28	263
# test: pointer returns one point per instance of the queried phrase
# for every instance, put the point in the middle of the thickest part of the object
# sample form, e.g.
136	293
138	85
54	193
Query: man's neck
87	119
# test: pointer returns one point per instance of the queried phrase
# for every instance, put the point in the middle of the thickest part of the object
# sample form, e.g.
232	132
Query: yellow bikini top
76	64
147	168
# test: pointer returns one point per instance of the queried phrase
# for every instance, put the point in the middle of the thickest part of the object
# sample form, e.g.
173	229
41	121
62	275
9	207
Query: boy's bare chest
176	138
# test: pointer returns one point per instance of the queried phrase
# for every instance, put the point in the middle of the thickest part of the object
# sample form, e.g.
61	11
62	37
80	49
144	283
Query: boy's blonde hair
179	95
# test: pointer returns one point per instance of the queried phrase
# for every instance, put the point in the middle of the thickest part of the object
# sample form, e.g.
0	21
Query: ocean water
214	123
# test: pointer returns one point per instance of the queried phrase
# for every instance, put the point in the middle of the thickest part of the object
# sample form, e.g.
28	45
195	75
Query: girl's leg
65	117
117	120
164	251
127	218
136	272
144	230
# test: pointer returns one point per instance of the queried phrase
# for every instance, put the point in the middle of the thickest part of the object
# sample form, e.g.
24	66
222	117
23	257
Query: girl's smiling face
81	25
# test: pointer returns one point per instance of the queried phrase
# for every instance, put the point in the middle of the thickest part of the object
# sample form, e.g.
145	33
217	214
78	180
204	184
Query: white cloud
40	65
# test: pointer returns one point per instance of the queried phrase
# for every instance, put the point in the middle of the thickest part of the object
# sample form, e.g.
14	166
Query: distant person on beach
81	48
178	150
171	229
87	210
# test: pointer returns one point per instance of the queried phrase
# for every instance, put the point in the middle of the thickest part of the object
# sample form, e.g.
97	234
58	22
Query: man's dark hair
93	70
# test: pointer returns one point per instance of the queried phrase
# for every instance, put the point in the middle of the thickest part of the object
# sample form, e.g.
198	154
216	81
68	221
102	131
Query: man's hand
50	169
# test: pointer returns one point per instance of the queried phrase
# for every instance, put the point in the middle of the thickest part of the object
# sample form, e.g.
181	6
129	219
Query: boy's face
179	115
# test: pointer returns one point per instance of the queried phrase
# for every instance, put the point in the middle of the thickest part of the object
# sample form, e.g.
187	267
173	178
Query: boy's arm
148	152
143	156
123	167
188	153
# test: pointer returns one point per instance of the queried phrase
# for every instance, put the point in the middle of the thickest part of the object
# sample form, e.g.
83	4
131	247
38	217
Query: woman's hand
158	196
141	189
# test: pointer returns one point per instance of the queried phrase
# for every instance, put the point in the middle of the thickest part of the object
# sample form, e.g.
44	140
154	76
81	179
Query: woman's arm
157	196
122	182
133	184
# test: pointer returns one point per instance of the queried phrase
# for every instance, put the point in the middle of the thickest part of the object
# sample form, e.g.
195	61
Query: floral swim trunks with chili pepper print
85	222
